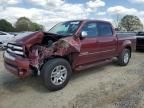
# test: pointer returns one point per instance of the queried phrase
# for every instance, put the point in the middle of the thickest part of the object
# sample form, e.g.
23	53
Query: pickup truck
67	47
140	41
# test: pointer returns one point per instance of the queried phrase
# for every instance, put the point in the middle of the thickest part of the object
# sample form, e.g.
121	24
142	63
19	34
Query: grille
15	49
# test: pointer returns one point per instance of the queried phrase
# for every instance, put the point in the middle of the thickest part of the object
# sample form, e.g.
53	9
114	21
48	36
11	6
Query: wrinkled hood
29	38
32	37
66	42
22	35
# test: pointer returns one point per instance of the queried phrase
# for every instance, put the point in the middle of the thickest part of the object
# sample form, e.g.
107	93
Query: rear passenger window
104	29
90	28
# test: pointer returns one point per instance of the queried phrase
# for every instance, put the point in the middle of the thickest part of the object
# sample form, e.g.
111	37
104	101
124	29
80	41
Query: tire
56	73
124	57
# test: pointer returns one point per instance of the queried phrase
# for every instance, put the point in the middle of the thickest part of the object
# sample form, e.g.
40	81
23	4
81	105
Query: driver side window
91	29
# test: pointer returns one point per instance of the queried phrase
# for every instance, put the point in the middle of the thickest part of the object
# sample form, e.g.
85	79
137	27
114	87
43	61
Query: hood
29	38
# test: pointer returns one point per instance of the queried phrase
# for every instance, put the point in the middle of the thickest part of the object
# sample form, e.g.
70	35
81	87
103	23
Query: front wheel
124	57
56	73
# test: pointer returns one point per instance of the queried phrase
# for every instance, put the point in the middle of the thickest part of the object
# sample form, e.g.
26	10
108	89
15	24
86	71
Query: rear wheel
124	57
56	73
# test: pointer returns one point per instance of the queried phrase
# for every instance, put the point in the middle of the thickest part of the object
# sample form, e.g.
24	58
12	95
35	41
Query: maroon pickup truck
66	48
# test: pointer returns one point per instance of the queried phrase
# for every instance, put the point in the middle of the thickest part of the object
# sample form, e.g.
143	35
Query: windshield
65	28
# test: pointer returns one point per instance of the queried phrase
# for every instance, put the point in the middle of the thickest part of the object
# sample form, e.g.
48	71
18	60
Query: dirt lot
109	86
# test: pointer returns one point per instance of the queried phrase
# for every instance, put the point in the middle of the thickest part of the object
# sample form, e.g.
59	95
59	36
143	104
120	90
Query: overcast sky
49	12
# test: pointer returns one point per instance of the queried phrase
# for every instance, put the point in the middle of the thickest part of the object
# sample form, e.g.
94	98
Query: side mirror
84	34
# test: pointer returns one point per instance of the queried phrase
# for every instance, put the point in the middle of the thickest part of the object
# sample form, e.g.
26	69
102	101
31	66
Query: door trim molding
87	53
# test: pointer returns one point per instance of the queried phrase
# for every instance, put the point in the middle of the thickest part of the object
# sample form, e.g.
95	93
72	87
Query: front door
89	45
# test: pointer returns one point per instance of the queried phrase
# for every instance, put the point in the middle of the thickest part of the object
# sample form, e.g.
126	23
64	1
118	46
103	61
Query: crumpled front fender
61	48
68	45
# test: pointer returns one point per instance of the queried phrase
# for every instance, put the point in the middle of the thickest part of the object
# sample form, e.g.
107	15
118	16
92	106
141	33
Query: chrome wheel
126	57
59	75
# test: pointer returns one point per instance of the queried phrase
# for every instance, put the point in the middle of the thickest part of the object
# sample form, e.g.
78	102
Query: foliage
37	27
25	24
130	23
6	26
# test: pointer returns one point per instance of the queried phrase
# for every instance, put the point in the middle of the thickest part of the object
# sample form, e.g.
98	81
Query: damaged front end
38	48
39	54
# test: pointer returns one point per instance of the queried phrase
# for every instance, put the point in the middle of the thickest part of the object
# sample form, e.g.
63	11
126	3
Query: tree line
126	23
22	24
129	23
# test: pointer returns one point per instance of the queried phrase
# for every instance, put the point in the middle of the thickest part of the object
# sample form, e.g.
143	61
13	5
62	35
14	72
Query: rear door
107	40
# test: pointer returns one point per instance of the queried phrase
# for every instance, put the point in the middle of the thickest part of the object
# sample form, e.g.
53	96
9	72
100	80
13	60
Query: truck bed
127	36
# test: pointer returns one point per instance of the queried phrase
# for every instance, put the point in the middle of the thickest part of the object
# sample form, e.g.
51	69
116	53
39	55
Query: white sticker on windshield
76	22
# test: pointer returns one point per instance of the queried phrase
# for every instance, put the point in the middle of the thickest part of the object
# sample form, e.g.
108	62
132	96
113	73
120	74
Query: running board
83	67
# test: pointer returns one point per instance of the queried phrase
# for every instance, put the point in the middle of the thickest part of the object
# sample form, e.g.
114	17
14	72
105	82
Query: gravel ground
108	86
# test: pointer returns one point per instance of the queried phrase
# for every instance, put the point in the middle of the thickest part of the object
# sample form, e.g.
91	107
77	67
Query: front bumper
17	65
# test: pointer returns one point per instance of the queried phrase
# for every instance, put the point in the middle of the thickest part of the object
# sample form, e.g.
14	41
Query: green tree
130	23
25	24
37	27
6	26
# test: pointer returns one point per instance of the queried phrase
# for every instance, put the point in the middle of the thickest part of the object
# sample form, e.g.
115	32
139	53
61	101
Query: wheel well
52	57
129	48
68	57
